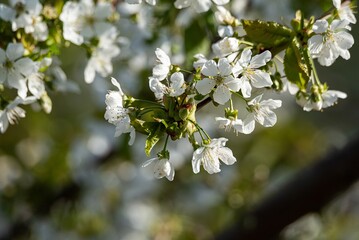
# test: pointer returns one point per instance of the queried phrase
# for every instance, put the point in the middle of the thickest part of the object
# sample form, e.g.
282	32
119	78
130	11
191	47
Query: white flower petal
162	57
224	67
14	51
320	26
337	3
221	2
6	13
210	68
246	87
248	124
226	155
196	160
222	94
315	44
205	86
160	71
260	59
260	79
233	84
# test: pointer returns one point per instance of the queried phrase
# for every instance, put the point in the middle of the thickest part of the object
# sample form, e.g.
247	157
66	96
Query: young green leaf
156	132
296	64
271	35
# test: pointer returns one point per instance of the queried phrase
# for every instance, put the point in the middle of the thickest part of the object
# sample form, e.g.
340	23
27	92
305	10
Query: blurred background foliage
64	176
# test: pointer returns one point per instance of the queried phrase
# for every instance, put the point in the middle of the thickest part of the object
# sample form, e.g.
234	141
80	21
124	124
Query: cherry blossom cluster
245	64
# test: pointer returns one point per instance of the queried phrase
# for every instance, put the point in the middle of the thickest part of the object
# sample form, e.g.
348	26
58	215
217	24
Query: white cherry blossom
101	59
84	20
25	14
260	111
344	11
116	114
225	46
14	68
247	66
209	155
327	99
162	168
228	123
12	112
219	76
198	5
330	41
163	67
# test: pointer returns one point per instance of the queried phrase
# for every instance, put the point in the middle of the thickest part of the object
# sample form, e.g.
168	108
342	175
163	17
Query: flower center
8	64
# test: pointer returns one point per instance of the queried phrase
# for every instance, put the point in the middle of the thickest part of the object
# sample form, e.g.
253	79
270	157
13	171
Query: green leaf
296	64
271	35
156	131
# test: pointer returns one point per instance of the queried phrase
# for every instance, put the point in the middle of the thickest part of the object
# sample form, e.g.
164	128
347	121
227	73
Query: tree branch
308	191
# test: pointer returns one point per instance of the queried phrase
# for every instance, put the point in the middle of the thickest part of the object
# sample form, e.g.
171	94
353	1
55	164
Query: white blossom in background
219	76
151	2
163	66
162	168
327	99
225	46
116	114
200	61
25	14
261	112
209	155
247	66
199	5
344	11
14	68
101	58
12	112
225	19
330	41
84	20
228	123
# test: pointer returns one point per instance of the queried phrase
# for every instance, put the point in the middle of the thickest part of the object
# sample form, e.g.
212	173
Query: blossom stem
316	77
201	130
165	146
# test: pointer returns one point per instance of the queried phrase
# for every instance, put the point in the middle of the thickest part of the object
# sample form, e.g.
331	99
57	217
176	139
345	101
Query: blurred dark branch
308	191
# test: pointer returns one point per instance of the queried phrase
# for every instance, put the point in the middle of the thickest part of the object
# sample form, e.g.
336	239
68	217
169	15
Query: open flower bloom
210	154
219	76
199	5
344	11
260	111
12	112
228	124
330	41
116	114
84	20
326	99
14	69
161	70
25	14
247	66
162	168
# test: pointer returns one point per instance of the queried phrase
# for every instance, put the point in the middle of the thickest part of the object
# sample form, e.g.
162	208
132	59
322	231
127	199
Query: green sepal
269	35
296	64
156	131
